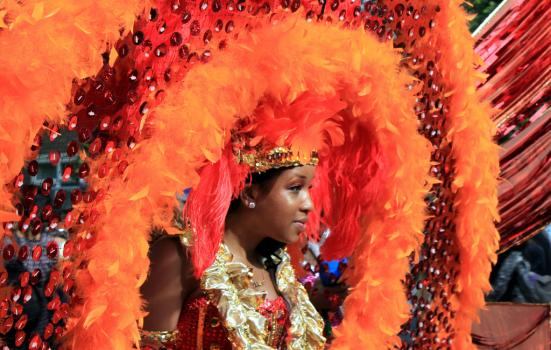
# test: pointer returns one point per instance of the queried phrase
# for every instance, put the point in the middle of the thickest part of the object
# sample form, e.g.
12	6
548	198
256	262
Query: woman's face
283	203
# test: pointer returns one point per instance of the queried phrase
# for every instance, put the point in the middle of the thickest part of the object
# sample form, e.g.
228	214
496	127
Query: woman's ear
249	196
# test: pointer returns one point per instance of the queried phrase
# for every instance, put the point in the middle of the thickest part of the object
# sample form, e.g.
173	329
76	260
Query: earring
252	205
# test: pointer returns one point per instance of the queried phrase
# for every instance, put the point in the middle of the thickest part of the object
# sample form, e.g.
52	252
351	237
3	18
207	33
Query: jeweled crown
278	157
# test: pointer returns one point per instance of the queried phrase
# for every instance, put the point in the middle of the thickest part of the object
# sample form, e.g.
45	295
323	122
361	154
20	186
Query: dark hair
262	179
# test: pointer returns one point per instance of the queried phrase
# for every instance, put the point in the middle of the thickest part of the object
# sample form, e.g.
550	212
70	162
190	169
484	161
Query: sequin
175	6
133	76
183	52
59	199
79	96
123	50
36	277
207	37
105	122
54	133
95	146
32	168
219	25
153	14
52	250
186	17
195	28
36	226
229	26
23	253
37	252
91	110
295	5
422	31
216	6
19	338
176	39
103	170
205	57
24	279
109	146
76	195
68	219
67	172
47	212
8	252
162	28
137	38
131	143
161	50
72	148
48	331
117	124
19	180
68	249
35	343
88	197
72	122
46	186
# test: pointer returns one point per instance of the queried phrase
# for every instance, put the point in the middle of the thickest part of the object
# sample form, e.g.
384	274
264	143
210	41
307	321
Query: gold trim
228	285
159	336
201	326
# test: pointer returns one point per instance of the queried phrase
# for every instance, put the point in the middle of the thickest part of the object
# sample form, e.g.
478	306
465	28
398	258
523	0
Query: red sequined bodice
201	328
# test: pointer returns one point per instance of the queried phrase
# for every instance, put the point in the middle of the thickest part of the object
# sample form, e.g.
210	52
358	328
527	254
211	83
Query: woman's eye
296	188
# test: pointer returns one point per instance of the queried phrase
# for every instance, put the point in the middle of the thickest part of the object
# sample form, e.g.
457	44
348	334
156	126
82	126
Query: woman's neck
241	241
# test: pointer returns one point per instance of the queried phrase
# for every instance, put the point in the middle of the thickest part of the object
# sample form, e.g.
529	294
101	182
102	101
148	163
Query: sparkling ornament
137	38
68	249
48	331
52	250
76	196
67	173
36	277
23	253
72	148
27	294
35	343
32	168
69	219
22	322
46	186
72	123
24	279
37	252
8	252
59	198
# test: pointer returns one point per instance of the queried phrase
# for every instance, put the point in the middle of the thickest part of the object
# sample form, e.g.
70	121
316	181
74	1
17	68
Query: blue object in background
331	271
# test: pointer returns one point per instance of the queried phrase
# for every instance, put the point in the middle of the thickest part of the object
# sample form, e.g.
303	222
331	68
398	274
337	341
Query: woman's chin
292	237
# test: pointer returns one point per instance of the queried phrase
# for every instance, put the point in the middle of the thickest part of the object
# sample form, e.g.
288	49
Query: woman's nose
307	204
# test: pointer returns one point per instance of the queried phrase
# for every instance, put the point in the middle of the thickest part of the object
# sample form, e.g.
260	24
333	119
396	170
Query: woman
270	212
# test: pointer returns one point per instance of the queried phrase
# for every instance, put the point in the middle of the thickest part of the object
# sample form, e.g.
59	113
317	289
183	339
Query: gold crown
279	157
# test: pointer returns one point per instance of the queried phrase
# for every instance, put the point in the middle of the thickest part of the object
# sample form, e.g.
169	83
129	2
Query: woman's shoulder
170	254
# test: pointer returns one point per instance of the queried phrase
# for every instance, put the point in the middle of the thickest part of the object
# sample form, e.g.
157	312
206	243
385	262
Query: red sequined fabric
201	328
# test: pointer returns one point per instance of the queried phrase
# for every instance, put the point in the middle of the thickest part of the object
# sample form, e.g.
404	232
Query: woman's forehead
305	172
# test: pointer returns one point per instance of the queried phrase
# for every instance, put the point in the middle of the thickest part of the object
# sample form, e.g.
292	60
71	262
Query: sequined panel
201	328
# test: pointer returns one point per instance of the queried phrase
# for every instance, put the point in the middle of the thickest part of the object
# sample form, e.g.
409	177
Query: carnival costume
202	95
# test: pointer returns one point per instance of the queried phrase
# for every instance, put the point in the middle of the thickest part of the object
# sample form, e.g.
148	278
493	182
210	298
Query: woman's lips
300	225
